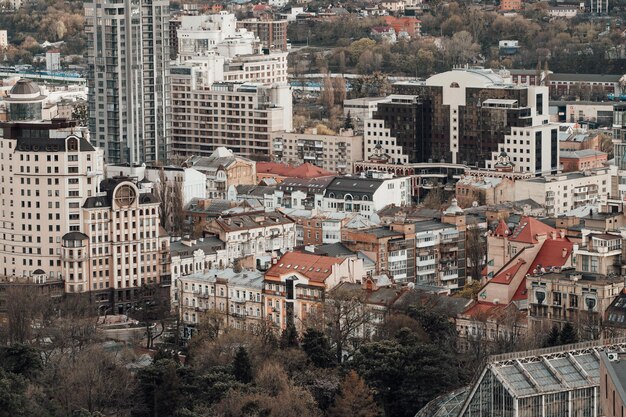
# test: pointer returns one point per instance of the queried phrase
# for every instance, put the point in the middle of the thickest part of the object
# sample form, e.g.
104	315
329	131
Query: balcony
74	258
450	275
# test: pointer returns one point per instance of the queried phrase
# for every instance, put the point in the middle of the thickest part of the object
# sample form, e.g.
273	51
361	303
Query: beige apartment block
335	153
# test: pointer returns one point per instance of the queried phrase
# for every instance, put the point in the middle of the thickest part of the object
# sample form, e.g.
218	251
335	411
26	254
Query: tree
475	250
171	210
355	400
568	334
80	112
159	387
289	337
347	123
317	348
405	373
242	369
553	337
151	309
346	315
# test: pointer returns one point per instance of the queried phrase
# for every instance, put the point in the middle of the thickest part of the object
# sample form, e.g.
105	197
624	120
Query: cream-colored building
227	298
578	298
122	246
194	256
240	117
564	192
335	153
47	171
222	169
254	235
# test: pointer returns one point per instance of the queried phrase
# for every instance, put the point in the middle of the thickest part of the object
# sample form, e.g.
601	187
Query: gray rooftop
185	248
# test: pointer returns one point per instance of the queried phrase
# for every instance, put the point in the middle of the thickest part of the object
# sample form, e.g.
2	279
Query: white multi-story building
335	153
241	117
561	193
465	116
361	109
233	298
525	149
366	195
194	256
192	182
254	235
208	32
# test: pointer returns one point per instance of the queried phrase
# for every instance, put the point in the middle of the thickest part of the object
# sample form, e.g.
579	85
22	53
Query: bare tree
475	250
171	210
346	315
152	310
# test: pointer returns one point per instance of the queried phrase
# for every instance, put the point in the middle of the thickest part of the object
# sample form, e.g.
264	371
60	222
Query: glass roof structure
553	382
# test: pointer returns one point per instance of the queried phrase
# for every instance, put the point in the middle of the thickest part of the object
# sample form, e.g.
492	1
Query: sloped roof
316	268
308	170
305	170
505	275
551	253
502	229
528	229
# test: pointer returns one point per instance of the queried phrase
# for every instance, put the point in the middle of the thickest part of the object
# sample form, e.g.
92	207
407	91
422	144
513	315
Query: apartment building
121	248
254	235
335	153
271	33
223	169
240	117
465	116
193	256
361	109
226	298
583	159
199	34
439	254
391	247
366	195
128	79
295	286
599	253
563	192
47	170
574	297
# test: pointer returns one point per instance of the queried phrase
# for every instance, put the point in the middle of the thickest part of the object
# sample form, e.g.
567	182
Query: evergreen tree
348	124
242	369
317	347
355	400
568	334
553	337
289	337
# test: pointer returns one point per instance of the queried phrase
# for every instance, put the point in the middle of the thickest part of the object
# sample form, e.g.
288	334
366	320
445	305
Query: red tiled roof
308	170
520	293
505	275
502	229
528	229
314	267
305	170
482	308
551	253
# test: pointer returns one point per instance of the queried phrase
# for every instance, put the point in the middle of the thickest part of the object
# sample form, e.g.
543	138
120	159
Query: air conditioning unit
613	356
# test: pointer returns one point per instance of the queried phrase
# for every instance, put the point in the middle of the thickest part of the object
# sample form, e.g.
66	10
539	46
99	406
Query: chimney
553	235
562	233
508	277
564	253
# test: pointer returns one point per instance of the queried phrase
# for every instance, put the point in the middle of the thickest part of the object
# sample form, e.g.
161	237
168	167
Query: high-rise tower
128	56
